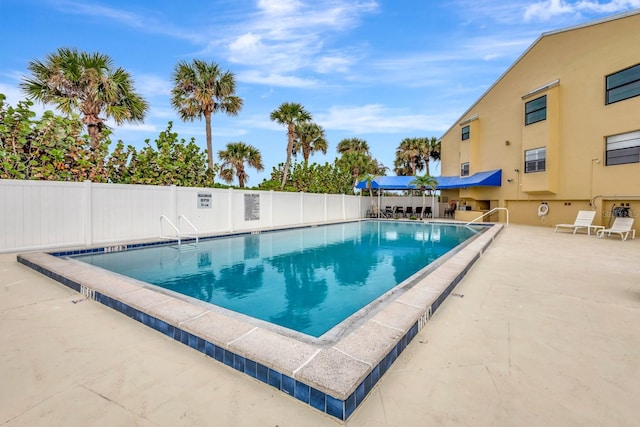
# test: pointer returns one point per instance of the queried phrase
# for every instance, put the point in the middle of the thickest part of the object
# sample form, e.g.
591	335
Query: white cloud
150	85
146	21
545	10
12	92
279	7
333	64
274	79
292	35
375	118
133	127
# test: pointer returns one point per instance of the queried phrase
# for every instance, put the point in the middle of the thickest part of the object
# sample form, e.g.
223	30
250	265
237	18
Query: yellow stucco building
562	125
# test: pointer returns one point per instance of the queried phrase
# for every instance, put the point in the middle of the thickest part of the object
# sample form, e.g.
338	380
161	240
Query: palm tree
201	89
410	156
290	114
234	158
424	182
86	84
414	154
353	145
369	178
310	138
432	150
355	154
359	164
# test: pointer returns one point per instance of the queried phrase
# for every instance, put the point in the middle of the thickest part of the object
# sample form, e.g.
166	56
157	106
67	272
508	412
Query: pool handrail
195	230
172	226
489	213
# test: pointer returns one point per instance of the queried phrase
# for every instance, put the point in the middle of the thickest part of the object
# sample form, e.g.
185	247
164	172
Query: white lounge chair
583	220
621	226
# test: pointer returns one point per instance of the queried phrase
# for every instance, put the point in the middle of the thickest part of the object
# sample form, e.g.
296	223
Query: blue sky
380	70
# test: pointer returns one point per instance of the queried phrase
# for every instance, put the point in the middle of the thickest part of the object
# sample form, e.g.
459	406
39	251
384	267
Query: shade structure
491	178
389	183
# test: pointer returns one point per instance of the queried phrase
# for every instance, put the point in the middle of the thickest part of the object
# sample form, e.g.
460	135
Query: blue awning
389	183
481	179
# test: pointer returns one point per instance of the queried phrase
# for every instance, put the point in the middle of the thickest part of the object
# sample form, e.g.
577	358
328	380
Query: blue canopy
481	179
389	183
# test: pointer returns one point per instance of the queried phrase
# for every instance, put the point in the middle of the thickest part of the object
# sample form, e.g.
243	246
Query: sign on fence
204	200
251	207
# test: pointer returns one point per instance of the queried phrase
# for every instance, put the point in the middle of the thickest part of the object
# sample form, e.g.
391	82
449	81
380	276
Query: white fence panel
47	214
353	207
251	209
129	212
286	209
335	210
34	216
313	208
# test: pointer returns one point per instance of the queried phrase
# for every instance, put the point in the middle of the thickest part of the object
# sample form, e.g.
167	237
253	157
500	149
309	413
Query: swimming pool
333	373
306	279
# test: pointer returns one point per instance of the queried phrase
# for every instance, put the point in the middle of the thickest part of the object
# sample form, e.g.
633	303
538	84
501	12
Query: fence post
271	193
88	204
174	205
230	208
326	198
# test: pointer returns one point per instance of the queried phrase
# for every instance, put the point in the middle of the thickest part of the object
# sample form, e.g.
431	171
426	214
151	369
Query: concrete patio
545	329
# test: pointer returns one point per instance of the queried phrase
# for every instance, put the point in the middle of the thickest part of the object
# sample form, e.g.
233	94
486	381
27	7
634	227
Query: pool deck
544	329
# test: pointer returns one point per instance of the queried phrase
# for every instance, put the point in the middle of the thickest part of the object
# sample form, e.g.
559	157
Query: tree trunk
290	134
241	176
207	121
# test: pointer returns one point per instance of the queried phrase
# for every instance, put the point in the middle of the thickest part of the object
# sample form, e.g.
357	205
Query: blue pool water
306	279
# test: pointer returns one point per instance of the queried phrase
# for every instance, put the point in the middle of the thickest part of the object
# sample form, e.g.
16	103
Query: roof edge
545	34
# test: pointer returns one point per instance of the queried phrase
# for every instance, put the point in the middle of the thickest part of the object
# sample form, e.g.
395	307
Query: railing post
489	213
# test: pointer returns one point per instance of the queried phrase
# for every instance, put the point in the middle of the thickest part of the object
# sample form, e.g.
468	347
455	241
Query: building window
623	85
466	132
464	169
535	111
535	160
624	148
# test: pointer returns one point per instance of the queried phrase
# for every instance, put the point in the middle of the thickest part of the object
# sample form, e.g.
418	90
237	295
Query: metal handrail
172	226
489	213
195	230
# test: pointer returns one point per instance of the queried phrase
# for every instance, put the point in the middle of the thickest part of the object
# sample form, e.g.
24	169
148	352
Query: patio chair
388	212
419	211
583	220
399	211
621	226
451	210
408	211
428	212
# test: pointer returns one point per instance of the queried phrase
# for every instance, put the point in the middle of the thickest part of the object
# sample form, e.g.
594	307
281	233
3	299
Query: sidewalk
544	330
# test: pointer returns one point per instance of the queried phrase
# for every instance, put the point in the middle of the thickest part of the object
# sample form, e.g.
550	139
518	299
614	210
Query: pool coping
334	378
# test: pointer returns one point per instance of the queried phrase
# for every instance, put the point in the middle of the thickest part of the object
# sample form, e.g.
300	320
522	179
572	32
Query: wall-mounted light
509	180
597	161
507	142
516	170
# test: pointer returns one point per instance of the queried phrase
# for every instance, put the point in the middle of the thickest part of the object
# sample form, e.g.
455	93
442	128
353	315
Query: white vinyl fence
48	214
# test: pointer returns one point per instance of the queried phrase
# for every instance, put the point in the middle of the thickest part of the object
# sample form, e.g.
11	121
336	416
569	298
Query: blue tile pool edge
324	402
